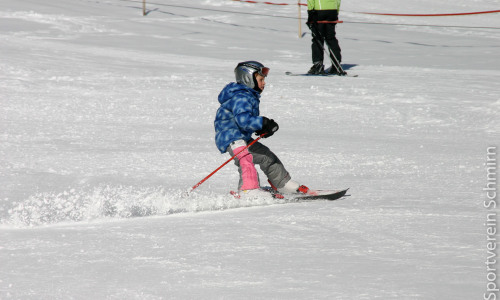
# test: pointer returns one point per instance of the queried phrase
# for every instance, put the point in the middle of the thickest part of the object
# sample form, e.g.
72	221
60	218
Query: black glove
269	127
312	16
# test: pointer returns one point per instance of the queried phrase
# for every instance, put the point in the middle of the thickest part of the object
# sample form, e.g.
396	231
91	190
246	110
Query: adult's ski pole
221	166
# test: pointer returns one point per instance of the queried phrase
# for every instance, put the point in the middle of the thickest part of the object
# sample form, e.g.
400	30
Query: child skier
237	119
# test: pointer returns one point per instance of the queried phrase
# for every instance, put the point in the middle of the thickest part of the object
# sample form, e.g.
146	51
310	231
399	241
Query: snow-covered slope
106	119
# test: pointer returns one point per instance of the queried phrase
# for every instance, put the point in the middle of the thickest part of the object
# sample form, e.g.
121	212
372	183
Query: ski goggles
263	71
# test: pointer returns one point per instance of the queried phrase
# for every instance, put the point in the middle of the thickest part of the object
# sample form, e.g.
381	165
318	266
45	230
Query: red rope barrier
387	14
329	22
434	15
271	3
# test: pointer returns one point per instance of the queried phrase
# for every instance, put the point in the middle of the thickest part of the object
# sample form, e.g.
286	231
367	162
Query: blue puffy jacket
238	115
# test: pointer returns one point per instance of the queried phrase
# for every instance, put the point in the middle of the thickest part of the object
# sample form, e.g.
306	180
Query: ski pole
215	171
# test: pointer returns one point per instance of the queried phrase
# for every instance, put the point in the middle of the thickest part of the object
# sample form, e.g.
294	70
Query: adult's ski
319	75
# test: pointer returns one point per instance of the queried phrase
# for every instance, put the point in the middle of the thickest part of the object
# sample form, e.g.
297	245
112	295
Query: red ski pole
215	171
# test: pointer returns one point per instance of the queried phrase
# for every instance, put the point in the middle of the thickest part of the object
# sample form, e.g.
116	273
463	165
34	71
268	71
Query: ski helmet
244	73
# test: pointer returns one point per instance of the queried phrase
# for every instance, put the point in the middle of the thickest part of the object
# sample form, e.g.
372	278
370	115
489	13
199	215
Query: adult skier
321	17
237	118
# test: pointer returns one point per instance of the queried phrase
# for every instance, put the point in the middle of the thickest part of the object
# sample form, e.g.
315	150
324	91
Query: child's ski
320	195
323	195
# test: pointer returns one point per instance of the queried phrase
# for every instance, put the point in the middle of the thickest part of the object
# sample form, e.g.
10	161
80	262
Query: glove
269	127
312	16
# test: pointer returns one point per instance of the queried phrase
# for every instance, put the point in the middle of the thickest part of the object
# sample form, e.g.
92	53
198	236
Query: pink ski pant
269	163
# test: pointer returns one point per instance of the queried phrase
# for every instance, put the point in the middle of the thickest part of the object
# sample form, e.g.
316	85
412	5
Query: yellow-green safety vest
323	4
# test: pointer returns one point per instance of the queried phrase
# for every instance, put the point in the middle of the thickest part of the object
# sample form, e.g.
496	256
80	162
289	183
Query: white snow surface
106	119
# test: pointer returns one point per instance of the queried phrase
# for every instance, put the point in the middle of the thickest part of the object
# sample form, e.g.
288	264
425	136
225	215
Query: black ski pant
324	33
